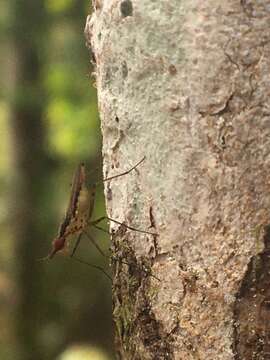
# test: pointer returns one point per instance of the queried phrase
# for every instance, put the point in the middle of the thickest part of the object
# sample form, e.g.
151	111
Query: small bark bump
126	8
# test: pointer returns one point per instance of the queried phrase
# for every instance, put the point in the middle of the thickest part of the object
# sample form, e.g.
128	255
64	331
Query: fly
79	213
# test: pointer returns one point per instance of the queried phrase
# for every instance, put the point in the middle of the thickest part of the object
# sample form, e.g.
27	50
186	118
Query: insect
79	212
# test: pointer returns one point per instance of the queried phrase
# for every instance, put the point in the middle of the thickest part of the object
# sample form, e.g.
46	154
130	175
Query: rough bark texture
187	83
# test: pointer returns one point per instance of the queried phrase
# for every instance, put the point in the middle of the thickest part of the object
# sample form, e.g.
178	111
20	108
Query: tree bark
186	83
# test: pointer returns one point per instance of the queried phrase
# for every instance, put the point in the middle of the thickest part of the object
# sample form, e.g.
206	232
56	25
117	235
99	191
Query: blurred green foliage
58	6
83	352
71	115
74	295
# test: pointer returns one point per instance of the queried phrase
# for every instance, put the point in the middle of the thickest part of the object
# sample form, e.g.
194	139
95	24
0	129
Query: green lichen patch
138	331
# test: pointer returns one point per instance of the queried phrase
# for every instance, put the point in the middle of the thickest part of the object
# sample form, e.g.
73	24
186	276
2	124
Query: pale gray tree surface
187	84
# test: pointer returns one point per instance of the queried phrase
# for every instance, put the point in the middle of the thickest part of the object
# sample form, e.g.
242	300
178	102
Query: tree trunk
186	83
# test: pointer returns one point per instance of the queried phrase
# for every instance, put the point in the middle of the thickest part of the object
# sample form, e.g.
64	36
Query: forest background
58	309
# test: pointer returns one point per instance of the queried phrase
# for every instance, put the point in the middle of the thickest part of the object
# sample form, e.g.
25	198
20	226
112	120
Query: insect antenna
123	173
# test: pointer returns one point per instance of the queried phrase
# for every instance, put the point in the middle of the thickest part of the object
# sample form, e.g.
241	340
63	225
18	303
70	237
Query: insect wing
92	193
78	180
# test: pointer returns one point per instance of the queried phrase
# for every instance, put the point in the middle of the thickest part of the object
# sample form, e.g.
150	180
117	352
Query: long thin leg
84	262
93	266
76	245
93	241
101	229
119	223
125	172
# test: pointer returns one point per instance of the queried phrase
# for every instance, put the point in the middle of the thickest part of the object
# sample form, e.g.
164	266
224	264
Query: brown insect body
79	211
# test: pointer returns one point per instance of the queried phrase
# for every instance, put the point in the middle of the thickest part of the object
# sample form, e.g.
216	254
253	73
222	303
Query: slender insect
79	213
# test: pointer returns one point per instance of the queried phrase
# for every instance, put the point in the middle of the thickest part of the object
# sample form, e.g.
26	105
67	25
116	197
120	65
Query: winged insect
79	213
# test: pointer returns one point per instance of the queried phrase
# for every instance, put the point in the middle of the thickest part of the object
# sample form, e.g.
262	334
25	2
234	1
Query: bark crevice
252	307
133	314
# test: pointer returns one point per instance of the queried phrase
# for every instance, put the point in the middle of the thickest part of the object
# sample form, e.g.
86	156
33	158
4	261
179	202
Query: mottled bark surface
187	84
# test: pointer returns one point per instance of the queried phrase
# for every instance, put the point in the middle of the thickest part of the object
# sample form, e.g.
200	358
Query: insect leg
120	223
93	266
101	229
84	262
93	223
93	241
76	245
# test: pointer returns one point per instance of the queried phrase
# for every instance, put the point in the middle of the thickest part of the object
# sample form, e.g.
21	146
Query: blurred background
58	309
